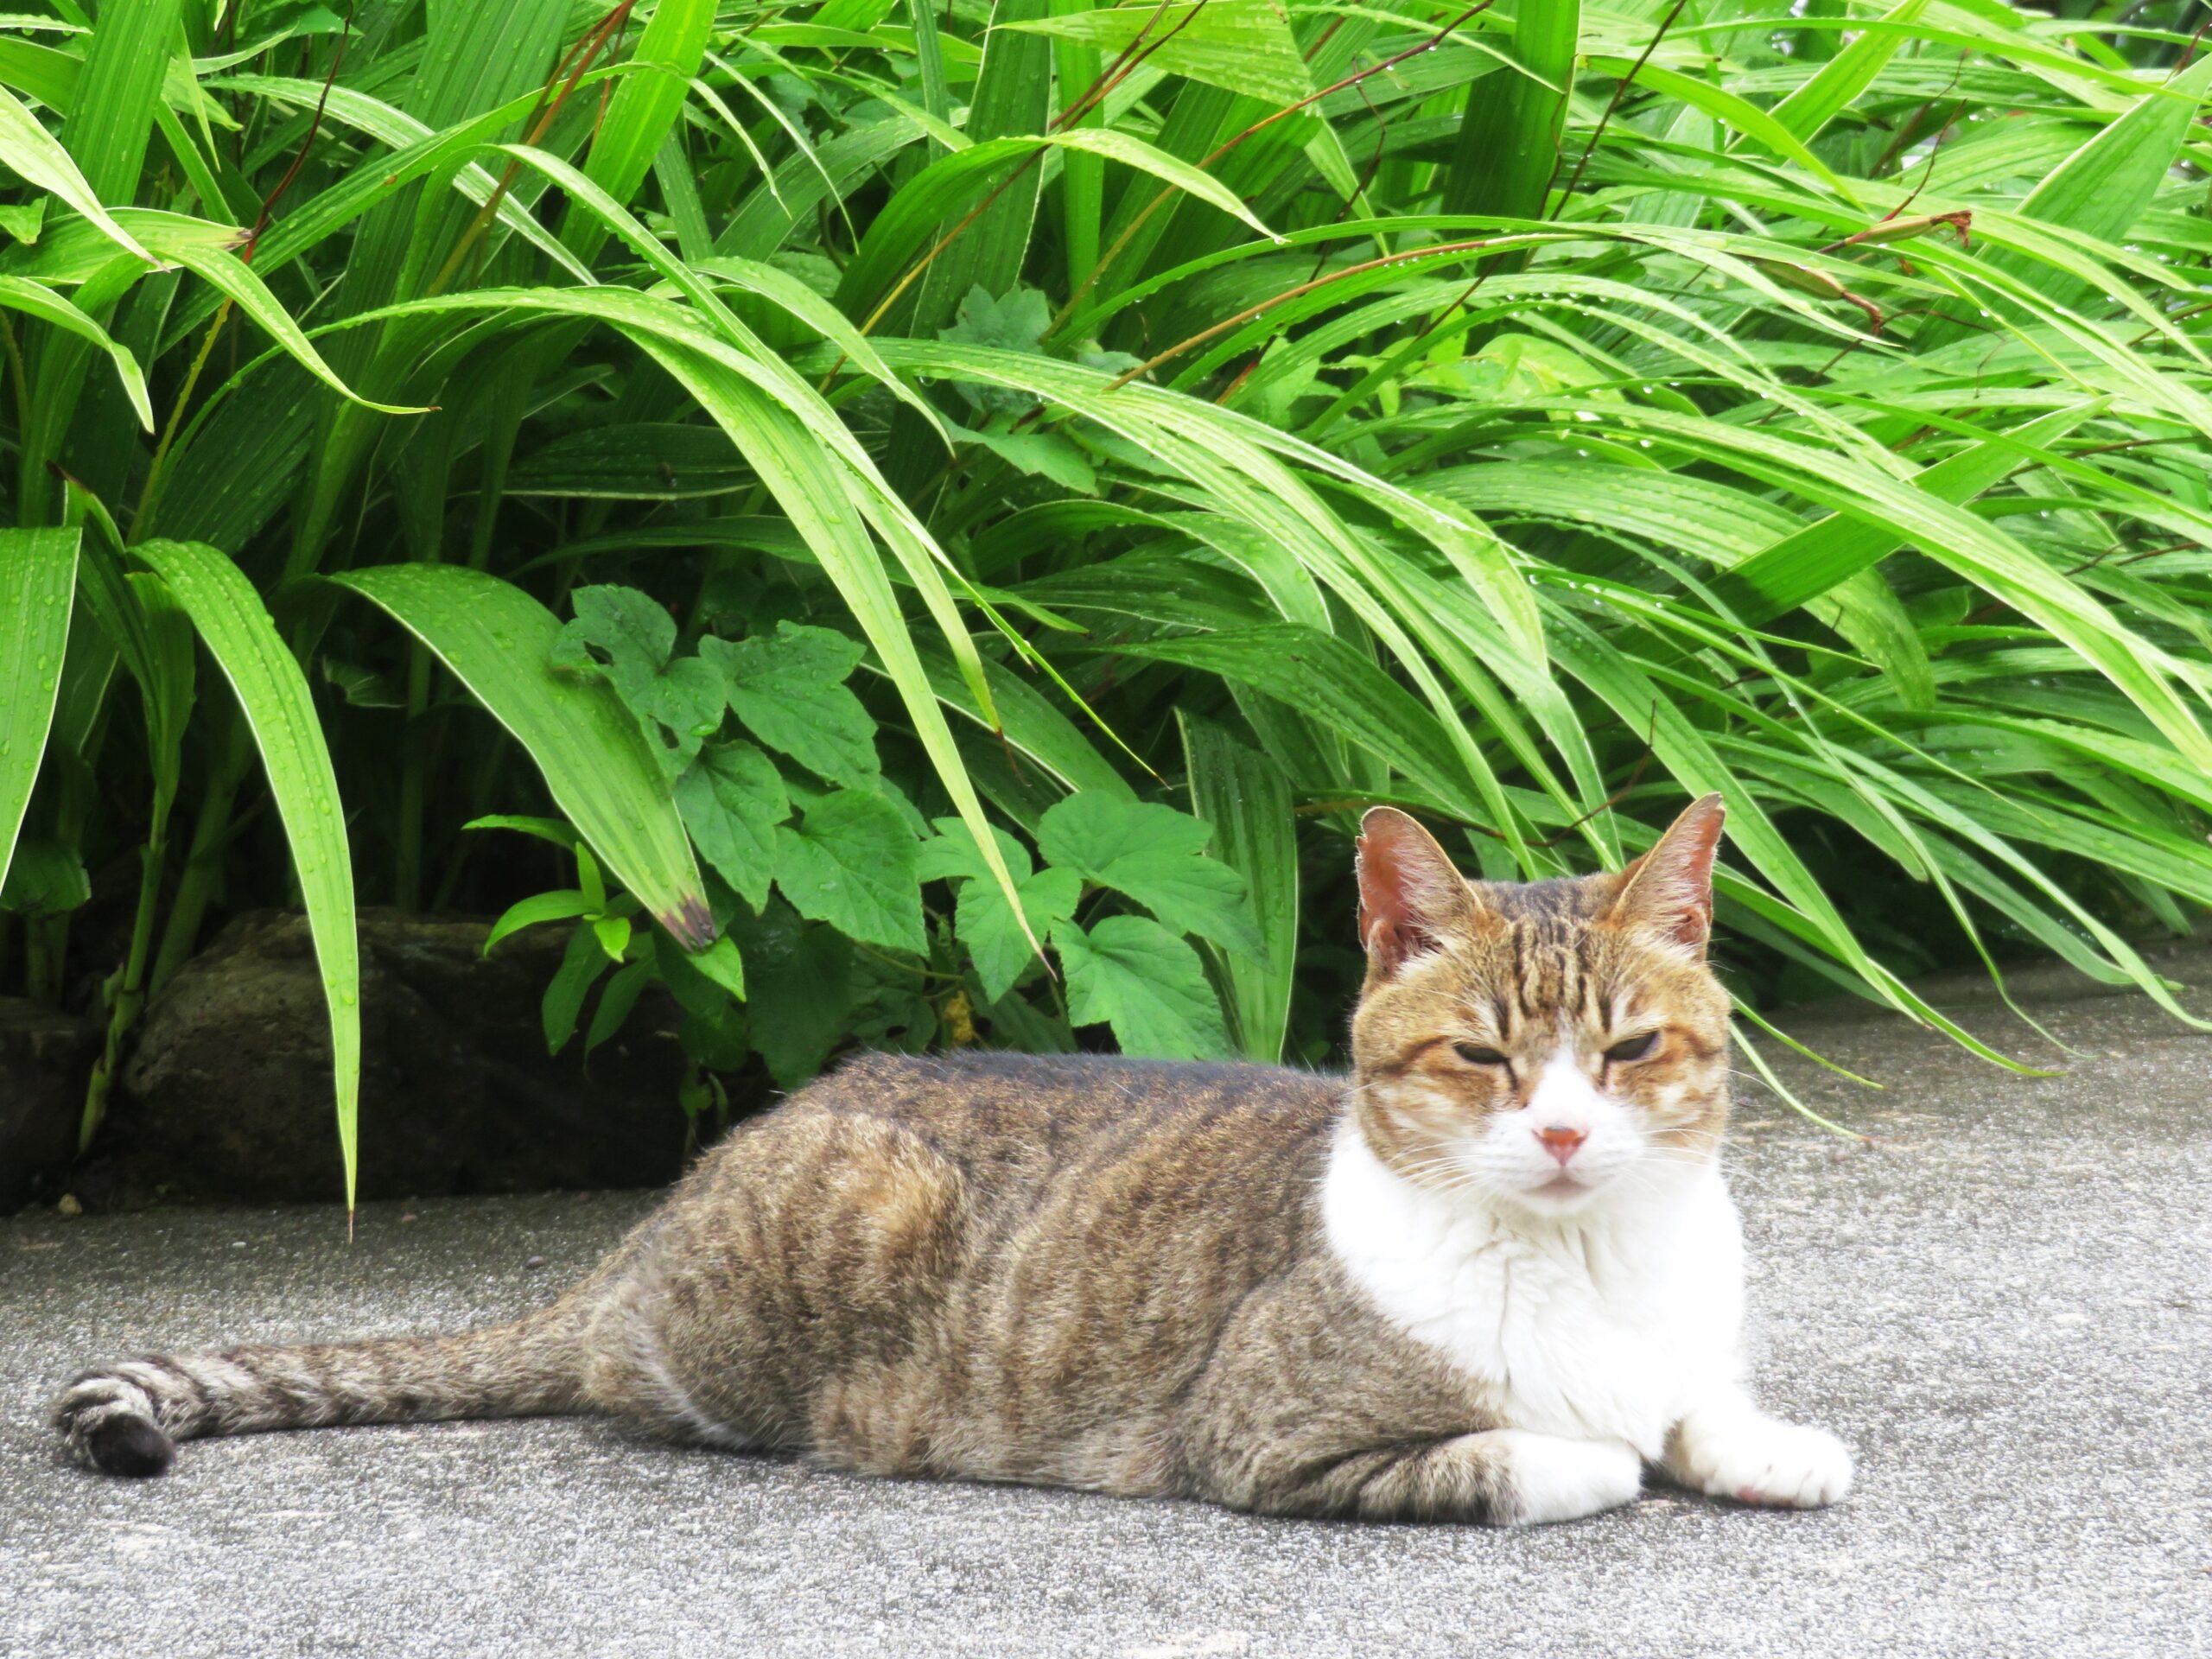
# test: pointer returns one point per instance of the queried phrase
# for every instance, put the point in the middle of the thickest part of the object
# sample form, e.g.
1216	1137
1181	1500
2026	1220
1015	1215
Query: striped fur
1376	1296
126	1419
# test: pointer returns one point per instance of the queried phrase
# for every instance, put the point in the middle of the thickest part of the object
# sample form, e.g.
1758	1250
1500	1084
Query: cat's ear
1410	896
1668	894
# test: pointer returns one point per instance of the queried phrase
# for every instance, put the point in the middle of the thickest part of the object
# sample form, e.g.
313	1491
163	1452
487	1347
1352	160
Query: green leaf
279	710
35	299
721	963
801	986
552	829
44	878
1134	975
1808	562
1242	46
38	576
581	966
1247	798
1507	151
30	152
24	221
645	106
851	861
558	906
982	918
615	1003
789	688
634	638
1040	454
1848	73
732	799
498	642
1151	853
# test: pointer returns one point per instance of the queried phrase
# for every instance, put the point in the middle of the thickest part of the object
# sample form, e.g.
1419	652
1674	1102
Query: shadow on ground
2004	1302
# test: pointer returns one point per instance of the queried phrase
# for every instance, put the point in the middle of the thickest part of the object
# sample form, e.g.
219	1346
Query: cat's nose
1562	1142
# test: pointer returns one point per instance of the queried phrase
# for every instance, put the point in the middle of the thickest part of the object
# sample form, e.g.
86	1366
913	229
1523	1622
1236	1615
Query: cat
1489	1276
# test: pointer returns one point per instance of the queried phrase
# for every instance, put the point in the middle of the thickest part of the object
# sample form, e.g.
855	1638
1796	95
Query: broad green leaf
645	106
499	641
1507	152
273	695
615	1002
983	919
1132	973
624	634
1151	853
732	799
788	690
851	861
38	576
800	988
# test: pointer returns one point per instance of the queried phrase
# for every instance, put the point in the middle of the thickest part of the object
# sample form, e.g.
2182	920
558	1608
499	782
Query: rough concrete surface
2004	1303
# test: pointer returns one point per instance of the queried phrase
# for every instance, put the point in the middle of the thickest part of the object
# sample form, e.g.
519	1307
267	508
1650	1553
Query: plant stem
125	992
414	763
203	859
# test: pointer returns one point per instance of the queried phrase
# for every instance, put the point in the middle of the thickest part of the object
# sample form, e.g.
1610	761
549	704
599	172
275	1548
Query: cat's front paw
1754	1458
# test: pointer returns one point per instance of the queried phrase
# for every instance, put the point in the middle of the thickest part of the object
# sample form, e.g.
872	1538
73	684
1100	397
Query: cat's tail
127	1418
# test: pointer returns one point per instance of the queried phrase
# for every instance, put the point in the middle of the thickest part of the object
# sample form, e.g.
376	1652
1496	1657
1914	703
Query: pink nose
1561	1142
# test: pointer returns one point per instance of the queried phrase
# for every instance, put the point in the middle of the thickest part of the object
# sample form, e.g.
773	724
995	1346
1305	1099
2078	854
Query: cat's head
1546	1046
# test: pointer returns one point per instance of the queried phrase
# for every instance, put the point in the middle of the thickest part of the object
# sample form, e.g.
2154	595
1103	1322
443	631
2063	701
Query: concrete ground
2004	1302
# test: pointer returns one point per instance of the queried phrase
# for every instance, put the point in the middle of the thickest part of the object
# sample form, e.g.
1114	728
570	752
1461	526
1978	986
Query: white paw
1548	1478
1755	1459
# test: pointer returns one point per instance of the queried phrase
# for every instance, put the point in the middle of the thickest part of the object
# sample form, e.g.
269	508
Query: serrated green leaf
983	920
852	862
626	635
788	690
1134	975
732	800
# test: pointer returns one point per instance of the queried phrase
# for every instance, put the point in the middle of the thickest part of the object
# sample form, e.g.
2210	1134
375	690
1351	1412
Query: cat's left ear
1668	894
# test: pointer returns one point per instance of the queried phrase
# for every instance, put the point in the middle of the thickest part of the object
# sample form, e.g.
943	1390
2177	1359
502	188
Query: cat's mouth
1562	1186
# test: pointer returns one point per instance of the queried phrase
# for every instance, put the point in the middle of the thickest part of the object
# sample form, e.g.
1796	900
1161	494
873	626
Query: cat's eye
1475	1054
1633	1048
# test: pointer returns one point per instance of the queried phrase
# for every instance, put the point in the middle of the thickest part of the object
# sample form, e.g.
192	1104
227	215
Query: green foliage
953	510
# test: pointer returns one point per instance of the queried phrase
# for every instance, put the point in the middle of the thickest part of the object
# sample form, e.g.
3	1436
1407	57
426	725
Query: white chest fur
1608	1325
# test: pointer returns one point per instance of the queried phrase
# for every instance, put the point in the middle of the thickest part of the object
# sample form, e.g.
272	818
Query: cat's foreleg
1504	1476
1727	1446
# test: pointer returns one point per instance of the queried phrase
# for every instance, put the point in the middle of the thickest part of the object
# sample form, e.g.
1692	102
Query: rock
228	1094
46	1059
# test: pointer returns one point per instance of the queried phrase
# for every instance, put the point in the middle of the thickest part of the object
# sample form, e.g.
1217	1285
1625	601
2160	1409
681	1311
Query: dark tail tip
131	1446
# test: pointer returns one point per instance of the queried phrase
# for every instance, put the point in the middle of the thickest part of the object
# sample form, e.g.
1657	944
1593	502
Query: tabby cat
1489	1276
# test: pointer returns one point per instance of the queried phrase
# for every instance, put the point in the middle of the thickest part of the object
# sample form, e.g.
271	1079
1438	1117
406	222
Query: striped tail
127	1418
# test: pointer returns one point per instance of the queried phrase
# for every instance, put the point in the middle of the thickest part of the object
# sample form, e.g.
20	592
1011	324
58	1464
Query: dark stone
228	1094
46	1060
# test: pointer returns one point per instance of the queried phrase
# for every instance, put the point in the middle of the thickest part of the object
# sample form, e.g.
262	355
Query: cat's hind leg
1501	1477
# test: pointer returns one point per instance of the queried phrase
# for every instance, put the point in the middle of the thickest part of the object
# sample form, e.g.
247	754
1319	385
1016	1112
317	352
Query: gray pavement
2004	1303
